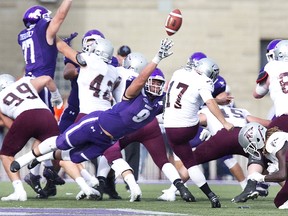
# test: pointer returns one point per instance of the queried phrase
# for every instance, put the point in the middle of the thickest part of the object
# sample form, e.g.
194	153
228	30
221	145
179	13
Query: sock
48	163
26	158
103	167
197	175
48	145
170	172
81	182
45	157
130	180
17	185
86	175
243	184
36	170
206	189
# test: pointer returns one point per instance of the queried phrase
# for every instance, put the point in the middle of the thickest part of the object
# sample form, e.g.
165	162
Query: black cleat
110	188
249	192
214	199
245	195
52	176
49	189
262	188
184	192
15	167
101	186
34	182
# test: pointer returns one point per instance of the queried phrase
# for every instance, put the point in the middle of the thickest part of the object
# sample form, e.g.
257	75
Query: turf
65	198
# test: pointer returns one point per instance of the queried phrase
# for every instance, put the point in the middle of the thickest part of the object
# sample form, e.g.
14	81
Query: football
173	22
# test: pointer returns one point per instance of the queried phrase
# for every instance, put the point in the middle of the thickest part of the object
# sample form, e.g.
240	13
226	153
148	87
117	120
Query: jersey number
11	98
95	85
28	48
141	116
177	103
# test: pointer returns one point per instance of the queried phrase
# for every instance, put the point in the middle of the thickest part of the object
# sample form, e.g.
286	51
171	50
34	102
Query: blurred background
234	33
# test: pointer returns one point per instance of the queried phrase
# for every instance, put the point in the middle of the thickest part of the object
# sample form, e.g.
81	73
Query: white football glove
205	135
164	50
56	99
256	177
272	167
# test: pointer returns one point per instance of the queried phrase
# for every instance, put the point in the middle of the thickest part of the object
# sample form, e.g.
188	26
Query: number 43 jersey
19	97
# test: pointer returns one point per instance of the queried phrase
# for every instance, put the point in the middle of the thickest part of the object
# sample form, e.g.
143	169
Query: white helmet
6	80
252	137
281	51
103	48
135	61
208	67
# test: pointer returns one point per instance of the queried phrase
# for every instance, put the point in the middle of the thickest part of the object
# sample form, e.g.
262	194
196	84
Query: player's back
96	82
278	88
236	116
39	56
183	98
19	97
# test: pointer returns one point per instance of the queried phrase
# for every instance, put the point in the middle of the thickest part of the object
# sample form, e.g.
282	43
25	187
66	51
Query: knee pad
119	166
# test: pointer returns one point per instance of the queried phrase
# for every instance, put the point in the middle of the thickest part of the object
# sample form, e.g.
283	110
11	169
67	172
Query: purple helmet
194	58
158	90
89	37
34	14
270	49
219	86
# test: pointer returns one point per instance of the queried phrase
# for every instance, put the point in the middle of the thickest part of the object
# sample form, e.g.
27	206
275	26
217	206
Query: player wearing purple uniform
94	133
151	137
20	103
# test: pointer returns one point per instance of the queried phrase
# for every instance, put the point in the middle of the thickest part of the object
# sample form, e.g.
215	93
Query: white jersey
278	88
187	92
236	116
124	74
19	97
274	143
96	82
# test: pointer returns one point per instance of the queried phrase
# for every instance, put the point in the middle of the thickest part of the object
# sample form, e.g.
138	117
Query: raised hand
70	38
164	50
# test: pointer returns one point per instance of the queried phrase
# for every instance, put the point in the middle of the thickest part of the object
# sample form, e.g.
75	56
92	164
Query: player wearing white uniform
26	116
254	138
188	90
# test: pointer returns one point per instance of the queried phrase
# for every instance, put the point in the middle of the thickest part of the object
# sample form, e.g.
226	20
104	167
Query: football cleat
33	164
110	188
34	182
262	188
52	176
168	195
49	189
245	195
184	192
214	199
16	196
136	193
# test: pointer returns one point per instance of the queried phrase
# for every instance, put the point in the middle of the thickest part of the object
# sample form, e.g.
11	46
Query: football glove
256	177
70	38
56	99
205	135
164	50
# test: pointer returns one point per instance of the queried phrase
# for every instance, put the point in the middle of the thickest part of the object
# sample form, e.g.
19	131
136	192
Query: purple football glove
70	38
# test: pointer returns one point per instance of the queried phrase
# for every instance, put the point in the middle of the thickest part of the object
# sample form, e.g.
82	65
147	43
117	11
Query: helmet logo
36	14
249	134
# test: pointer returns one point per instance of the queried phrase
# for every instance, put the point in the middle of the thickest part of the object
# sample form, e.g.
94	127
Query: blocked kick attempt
94	133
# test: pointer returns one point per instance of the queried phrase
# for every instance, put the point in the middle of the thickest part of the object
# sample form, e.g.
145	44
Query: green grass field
65	198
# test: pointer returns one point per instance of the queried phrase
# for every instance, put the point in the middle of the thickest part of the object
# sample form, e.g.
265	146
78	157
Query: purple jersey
39	56
130	115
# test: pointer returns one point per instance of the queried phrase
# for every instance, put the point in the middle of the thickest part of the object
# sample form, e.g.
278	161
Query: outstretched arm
57	21
139	82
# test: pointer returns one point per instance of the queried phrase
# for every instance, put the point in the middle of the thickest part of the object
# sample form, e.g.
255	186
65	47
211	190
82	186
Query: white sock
36	170
197	176
243	184
17	185
130	180
48	145
25	159
170	172
81	182
48	163
103	167
86	175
